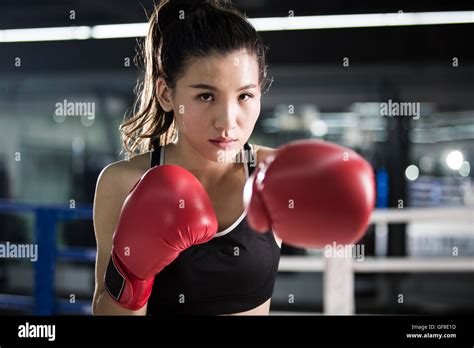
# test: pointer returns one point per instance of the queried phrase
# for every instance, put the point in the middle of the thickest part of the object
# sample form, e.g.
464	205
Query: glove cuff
126	289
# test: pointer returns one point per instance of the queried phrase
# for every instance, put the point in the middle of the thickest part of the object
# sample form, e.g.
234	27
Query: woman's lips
222	144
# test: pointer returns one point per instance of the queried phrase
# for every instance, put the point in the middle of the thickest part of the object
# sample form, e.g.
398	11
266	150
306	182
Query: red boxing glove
311	193
166	212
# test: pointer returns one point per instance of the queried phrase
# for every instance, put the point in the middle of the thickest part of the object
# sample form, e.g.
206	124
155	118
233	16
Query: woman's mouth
222	143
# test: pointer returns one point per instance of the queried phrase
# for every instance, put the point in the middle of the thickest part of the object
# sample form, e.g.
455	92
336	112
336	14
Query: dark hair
179	31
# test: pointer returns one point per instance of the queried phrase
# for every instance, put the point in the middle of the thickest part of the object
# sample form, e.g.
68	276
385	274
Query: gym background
399	93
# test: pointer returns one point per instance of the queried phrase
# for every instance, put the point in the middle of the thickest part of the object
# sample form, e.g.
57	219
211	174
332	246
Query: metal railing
46	218
339	294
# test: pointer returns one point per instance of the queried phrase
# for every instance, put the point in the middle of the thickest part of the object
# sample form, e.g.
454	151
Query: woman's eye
244	96
205	97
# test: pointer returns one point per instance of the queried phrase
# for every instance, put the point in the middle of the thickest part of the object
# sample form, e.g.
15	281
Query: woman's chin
226	155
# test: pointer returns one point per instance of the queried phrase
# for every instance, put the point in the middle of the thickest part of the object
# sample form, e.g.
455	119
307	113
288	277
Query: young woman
200	98
189	225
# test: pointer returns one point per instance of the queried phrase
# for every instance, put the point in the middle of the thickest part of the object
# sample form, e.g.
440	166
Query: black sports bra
233	272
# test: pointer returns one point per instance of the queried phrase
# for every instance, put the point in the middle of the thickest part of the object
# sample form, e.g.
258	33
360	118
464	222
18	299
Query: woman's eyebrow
205	86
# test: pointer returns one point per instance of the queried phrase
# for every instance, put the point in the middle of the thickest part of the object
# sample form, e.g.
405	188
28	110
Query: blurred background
329	83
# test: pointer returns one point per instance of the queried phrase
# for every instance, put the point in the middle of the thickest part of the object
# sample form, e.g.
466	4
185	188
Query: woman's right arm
111	191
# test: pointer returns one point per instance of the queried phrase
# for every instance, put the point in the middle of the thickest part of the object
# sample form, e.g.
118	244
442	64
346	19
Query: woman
207	255
198	104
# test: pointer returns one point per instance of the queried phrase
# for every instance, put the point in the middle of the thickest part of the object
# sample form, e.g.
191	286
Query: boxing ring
46	218
339	272
338	279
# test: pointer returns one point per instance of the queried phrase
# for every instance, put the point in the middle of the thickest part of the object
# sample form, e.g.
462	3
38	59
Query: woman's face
218	96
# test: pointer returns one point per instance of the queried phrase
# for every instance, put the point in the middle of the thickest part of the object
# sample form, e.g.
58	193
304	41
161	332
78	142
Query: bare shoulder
119	177
263	152
262	148
113	185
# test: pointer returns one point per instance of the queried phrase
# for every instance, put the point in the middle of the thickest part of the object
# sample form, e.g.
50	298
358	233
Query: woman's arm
262	152
111	191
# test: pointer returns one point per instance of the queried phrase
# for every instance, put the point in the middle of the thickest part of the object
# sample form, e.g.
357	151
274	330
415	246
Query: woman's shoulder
119	177
262	152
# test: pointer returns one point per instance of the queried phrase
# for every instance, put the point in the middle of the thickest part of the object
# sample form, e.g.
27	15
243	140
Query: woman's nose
226	119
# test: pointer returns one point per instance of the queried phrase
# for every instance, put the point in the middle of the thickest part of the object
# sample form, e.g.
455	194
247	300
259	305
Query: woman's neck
209	173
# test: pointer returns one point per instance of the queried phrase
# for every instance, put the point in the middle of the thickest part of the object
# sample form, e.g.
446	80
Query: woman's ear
164	94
